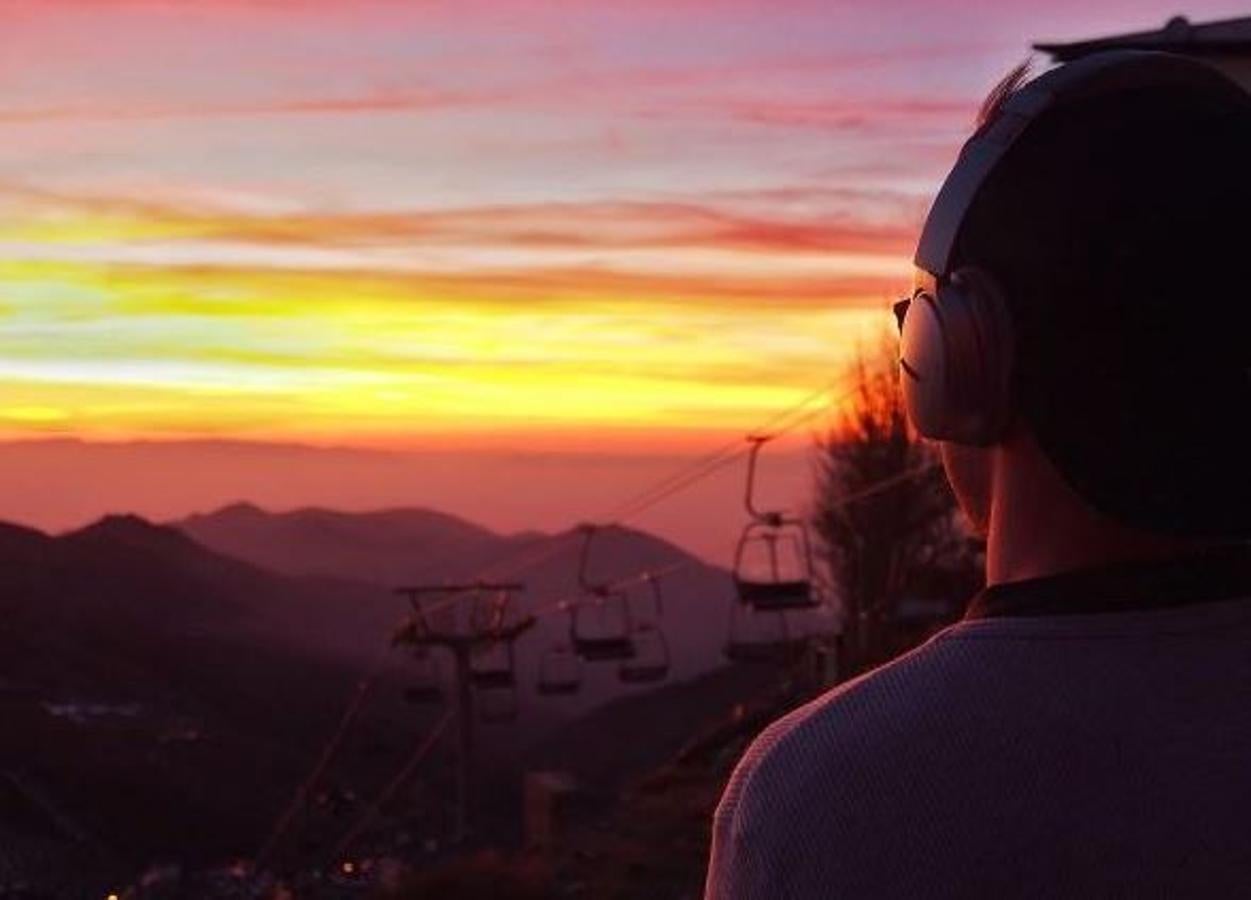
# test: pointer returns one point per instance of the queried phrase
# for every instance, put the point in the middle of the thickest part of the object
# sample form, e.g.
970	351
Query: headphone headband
1090	76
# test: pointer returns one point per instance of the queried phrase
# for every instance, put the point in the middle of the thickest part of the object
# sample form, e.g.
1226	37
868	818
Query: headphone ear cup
923	364
988	344
955	361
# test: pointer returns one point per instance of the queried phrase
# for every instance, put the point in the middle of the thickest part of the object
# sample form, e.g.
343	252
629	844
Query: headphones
957	342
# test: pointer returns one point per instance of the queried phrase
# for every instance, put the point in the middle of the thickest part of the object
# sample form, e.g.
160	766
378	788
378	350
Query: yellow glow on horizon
34	414
109	351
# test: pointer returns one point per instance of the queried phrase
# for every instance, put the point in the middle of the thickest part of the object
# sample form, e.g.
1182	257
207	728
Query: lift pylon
467	645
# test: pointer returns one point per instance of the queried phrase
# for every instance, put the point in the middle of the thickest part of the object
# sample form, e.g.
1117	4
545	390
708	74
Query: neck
1040	527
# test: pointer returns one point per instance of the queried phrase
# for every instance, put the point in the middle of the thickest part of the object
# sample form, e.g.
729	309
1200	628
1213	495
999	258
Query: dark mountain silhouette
385	547
165	697
601	748
393	547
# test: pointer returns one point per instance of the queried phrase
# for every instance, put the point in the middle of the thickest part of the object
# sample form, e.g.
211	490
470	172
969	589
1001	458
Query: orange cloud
834	114
377	102
564	225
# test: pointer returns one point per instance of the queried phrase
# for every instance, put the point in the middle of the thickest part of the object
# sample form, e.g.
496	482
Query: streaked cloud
383	221
394	102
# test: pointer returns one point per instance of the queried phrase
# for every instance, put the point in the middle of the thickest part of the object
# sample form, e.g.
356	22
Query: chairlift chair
493	666
600	628
600	624
427	685
772	569
646	613
497	705
560	672
761	637
651	662
773	559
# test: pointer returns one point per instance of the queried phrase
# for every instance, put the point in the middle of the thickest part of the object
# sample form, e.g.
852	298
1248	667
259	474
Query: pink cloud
556	226
372	103
834	114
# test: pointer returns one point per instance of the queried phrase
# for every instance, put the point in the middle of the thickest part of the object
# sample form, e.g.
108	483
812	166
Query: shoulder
842	765
866	724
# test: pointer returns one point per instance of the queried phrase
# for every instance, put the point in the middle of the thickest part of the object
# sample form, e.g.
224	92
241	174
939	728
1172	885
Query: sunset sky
473	227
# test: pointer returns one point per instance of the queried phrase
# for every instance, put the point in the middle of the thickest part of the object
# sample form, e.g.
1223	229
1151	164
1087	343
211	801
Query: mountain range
409	546
166	686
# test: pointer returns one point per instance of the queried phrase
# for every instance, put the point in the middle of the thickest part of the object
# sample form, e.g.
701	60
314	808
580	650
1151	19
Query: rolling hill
385	547
165	688
405	546
163	699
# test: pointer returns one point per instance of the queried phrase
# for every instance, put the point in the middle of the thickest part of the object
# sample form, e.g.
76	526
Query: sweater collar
1222	573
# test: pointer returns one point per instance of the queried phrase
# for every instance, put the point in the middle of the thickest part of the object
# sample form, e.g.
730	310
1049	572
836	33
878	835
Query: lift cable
721	456
563	607
684	477
393	786
782	422
363	687
640	576
697	475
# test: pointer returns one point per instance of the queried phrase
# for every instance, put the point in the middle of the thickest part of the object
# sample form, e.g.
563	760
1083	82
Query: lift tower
469	621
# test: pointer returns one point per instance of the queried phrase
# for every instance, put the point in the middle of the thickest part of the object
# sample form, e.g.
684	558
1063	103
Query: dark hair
1117	227
1017	78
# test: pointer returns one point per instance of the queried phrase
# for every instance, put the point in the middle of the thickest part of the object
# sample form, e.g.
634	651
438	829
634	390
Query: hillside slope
164	698
383	547
393	547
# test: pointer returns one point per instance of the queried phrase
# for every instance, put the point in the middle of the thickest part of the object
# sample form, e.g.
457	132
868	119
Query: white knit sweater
1102	755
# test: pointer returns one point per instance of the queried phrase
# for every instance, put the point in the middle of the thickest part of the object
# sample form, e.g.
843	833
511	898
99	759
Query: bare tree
889	532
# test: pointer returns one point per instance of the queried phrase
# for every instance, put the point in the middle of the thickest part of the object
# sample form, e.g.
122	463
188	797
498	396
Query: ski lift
491	610
497	705
427	686
773	559
560	672
493	663
600	624
764	637
417	627
493	666
600	627
657	605
651	661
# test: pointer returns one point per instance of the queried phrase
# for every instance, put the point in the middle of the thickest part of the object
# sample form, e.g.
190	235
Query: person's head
1083	273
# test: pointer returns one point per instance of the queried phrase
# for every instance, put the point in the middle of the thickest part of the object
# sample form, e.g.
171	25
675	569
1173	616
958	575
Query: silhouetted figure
1079	343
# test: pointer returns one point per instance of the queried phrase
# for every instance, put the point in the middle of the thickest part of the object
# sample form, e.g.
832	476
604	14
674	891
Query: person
1079	344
